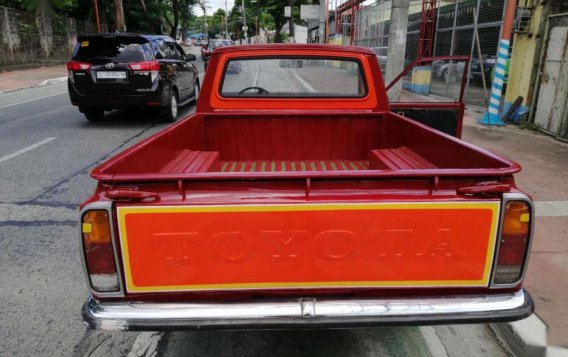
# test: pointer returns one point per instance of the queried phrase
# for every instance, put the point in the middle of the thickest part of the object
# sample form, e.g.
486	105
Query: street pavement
47	150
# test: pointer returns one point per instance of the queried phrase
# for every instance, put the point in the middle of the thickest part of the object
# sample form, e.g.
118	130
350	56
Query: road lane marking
306	85
256	76
146	344
32	100
26	149
434	343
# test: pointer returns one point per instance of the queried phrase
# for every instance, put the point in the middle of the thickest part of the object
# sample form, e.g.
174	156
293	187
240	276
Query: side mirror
190	57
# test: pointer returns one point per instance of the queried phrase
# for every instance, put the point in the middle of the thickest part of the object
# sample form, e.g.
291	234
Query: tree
42	7
186	16
145	15
216	23
180	9
276	9
119	16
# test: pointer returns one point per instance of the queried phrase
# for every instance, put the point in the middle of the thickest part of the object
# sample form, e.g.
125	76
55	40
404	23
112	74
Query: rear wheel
169	113
196	91
93	114
444	75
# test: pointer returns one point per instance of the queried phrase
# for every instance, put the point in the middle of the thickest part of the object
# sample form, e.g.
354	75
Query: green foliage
275	8
44	7
147	20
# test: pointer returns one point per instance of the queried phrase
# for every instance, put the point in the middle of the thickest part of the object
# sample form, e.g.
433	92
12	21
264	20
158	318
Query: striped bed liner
292	165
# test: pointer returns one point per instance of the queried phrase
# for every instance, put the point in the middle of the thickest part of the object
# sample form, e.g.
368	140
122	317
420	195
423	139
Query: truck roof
296	46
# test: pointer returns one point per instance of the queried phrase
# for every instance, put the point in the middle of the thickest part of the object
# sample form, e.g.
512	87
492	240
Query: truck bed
258	144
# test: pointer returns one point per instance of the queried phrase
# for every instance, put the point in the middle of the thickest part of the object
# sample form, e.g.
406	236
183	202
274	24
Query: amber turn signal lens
96	227
514	243
517	217
99	252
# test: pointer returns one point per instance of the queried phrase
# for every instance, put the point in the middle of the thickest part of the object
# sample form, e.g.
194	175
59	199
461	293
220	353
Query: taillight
78	66
147	66
514	242
98	250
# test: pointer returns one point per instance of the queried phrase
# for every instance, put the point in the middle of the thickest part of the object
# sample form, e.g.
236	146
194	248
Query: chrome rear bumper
307	312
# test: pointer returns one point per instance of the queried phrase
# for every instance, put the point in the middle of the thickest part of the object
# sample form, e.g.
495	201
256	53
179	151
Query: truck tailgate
323	245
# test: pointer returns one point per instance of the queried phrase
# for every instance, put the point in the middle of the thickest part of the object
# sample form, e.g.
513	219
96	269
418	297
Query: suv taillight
78	66
514	242
98	251
147	66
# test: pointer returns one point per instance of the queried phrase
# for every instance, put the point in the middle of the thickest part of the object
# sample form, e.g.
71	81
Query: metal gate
454	37
551	113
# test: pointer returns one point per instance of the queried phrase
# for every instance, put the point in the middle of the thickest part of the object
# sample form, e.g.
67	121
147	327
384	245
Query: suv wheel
196	91
169	113
93	114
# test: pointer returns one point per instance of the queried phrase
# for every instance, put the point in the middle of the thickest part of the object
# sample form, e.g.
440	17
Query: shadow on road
123	118
396	341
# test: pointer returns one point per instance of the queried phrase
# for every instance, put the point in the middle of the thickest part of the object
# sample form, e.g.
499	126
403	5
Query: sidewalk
27	78
545	163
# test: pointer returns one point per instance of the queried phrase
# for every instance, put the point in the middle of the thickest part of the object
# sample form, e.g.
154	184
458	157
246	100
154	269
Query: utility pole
321	29
244	22
291	25
226	21
492	116
97	16
397	45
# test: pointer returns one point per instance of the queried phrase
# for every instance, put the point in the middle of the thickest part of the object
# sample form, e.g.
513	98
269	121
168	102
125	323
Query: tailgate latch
485	189
132	195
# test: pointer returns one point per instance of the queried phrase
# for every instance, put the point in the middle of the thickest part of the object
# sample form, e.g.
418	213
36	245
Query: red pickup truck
298	196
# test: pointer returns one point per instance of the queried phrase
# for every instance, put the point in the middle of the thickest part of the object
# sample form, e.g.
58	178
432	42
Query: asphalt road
47	150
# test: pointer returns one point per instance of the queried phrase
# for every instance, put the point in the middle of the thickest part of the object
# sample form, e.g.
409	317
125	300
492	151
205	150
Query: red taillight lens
145	66
78	66
98	250
514	243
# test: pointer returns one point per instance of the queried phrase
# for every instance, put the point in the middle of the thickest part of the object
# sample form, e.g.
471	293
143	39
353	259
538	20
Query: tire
444	75
169	113
196	91
93	115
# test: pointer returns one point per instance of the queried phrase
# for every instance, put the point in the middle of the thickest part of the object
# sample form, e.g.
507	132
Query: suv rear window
116	49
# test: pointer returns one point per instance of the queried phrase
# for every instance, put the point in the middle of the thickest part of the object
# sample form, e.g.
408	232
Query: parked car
110	71
381	53
441	69
288	200
209	47
488	66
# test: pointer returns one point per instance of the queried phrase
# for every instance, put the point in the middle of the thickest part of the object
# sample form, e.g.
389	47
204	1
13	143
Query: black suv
110	71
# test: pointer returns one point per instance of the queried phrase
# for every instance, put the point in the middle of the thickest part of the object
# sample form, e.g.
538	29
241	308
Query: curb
52	81
527	337
45	83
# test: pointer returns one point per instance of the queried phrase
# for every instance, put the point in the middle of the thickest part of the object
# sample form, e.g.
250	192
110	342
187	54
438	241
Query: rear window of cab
293	77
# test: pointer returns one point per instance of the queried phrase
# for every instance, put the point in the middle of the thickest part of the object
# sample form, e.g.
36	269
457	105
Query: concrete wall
28	39
525	59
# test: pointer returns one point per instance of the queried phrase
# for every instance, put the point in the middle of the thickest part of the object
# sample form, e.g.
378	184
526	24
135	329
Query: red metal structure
427	23
352	5
427	28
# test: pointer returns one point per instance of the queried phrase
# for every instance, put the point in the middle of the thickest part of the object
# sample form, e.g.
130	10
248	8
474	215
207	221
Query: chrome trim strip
107	206
506	198
307	312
